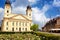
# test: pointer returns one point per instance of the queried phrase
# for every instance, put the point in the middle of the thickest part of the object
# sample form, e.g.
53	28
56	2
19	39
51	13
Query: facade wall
57	25
8	25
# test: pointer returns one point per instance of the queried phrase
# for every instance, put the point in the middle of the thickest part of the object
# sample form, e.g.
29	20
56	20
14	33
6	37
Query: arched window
19	23
7	23
23	23
25	29
13	29
19	29
12	23
16	28
16	23
7	11
26	24
22	28
6	28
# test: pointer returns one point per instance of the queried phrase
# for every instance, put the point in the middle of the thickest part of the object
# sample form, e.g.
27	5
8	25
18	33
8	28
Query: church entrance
19	29
25	29
13	29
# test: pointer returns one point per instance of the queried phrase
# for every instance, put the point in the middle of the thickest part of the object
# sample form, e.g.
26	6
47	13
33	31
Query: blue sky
43	10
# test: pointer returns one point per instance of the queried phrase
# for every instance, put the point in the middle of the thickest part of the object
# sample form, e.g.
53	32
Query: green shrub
48	36
18	36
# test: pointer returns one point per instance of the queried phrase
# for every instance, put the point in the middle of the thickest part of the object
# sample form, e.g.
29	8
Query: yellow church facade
16	22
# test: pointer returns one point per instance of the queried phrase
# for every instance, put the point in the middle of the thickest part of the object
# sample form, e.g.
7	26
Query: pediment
19	17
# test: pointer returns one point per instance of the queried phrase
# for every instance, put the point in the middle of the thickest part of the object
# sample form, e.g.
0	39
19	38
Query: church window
25	24
13	29
20	24
16	28
22	28
6	28
13	23
19	29
25	29
7	11
16	23
7	23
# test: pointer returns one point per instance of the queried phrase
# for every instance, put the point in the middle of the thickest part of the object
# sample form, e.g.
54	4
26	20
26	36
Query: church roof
28	7
52	21
18	17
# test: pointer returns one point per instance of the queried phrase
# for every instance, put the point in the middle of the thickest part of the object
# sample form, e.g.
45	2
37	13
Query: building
16	22
52	25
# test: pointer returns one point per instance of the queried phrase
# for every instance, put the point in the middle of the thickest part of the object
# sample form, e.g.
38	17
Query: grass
29	36
48	36
18	36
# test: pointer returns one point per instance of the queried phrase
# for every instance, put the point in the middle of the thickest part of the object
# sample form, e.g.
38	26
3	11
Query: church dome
7	2
28	7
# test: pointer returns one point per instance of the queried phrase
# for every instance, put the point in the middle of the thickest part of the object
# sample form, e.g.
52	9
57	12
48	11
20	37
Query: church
16	22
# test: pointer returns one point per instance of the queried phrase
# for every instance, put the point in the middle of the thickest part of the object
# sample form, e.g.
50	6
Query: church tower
29	12
7	8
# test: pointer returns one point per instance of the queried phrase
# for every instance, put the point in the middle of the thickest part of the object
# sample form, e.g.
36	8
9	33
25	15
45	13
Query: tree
34	27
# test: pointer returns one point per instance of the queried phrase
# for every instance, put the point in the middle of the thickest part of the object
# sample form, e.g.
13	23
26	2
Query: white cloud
24	2
20	3
39	16
33	1
56	3
19	6
45	8
19	10
1	10
57	15
1	13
